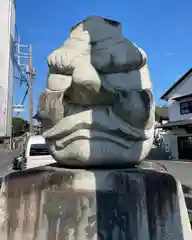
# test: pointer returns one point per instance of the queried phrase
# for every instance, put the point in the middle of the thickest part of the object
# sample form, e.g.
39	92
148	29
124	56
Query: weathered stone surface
104	113
97	41
51	107
57	203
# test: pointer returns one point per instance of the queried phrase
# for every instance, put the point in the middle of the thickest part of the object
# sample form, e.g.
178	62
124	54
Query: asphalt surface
181	170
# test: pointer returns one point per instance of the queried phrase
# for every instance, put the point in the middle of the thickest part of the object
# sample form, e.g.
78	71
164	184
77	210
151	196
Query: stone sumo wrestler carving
98	106
97	109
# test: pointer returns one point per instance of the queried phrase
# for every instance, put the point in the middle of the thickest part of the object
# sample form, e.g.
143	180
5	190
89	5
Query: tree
19	126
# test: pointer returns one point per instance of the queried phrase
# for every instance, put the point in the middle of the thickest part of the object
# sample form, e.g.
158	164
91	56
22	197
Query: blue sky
162	28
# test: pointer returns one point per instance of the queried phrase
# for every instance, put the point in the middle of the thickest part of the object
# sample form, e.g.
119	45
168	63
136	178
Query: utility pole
31	72
24	64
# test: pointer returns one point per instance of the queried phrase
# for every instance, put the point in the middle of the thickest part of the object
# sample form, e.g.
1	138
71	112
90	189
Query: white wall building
179	98
7	33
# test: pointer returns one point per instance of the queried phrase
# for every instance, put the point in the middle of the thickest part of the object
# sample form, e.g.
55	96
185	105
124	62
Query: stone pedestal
50	203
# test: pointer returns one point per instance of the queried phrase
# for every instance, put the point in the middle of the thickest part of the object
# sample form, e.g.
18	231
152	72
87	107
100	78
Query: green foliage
19	126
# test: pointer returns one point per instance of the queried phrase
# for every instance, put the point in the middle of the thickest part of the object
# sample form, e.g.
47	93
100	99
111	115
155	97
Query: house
160	135
161	114
179	126
37	127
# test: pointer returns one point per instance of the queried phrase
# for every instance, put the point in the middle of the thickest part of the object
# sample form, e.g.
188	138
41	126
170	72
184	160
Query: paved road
181	170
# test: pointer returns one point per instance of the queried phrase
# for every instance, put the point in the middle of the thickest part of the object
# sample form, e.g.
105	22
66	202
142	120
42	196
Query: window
39	150
186	107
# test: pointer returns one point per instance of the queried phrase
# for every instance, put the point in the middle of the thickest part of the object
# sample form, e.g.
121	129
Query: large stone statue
98	116
98	106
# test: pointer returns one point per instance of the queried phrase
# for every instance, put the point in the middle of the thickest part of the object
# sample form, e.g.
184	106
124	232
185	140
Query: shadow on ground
157	153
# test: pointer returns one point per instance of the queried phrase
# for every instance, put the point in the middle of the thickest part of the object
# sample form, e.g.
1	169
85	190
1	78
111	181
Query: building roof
178	82
176	123
161	112
183	97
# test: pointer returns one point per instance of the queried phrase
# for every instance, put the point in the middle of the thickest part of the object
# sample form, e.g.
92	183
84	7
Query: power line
27	73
